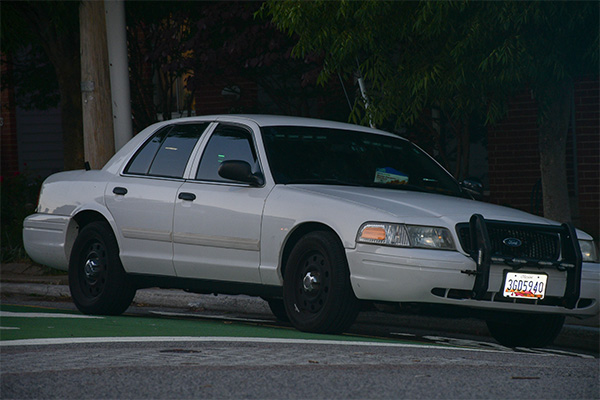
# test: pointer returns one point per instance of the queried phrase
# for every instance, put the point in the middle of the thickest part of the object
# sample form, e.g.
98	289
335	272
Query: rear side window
140	163
167	153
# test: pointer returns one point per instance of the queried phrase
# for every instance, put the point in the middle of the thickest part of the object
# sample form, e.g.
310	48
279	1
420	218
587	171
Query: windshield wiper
413	188
405	186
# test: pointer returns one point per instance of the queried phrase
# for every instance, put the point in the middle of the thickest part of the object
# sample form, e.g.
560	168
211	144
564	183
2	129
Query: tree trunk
552	145
98	132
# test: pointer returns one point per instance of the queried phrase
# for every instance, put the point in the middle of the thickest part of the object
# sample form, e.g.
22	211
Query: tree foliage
461	56
214	43
464	58
157	41
231	40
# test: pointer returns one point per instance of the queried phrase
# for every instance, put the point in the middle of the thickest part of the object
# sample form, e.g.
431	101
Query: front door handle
120	191
187	196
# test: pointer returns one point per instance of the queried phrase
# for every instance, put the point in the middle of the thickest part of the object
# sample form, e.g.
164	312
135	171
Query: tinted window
345	157
166	154
140	164
227	143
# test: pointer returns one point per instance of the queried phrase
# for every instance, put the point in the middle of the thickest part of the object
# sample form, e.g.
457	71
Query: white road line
158	339
44	315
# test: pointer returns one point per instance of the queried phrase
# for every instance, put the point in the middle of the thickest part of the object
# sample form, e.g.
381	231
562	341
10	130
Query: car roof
280	120
260	120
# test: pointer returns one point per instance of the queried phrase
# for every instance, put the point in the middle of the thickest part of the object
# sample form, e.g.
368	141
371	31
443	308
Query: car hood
415	206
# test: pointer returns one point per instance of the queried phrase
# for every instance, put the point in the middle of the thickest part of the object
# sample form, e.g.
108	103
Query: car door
217	222
141	199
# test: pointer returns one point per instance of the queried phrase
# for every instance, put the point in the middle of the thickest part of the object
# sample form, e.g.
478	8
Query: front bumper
432	276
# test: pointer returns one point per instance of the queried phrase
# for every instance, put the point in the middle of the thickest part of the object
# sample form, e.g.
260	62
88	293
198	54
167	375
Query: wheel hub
91	269
311	281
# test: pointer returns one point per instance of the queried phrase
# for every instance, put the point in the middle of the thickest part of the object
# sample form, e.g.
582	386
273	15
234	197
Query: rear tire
317	293
526	330
97	281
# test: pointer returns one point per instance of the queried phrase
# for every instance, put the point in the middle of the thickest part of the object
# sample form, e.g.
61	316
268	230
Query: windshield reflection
345	157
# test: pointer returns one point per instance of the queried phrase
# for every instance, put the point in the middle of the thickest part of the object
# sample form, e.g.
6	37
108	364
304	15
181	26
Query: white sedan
315	217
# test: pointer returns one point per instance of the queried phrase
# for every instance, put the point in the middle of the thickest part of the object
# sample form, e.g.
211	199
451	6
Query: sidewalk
27	273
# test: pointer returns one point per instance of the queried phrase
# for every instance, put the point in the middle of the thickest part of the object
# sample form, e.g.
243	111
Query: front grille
535	242
518	245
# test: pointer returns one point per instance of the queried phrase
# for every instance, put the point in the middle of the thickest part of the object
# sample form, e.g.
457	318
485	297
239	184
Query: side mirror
240	171
474	187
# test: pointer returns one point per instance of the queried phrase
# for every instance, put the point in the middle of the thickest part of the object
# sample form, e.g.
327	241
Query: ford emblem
512	242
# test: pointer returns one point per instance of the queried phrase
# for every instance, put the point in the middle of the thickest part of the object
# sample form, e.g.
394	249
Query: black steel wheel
525	330
318	296
97	281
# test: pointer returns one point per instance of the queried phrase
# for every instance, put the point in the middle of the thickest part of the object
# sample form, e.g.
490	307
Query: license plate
525	285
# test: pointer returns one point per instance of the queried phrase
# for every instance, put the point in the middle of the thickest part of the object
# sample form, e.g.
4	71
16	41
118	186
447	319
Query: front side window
227	143
167	153
344	157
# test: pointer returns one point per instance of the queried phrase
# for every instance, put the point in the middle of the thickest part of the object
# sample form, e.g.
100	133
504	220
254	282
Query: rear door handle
120	191
187	196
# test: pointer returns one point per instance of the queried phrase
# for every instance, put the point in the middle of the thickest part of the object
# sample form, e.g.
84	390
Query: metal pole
363	92
116	37
345	92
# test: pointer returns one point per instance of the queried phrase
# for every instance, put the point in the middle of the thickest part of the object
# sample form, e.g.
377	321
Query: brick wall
210	100
587	116
514	170
8	129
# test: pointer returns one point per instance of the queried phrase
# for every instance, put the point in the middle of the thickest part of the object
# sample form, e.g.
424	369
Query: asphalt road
262	369
399	356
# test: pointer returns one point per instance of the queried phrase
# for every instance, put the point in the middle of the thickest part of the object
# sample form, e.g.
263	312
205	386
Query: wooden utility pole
98	136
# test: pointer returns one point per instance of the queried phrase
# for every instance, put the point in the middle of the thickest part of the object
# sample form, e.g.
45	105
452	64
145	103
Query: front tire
277	307
97	281
317	293
526	330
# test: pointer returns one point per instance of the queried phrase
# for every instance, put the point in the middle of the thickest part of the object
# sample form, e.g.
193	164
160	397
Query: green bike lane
36	325
20	324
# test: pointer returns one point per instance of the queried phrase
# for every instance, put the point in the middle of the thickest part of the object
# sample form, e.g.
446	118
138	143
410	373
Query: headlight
430	237
426	237
588	251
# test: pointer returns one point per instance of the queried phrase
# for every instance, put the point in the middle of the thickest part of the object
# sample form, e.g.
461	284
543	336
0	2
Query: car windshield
346	157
